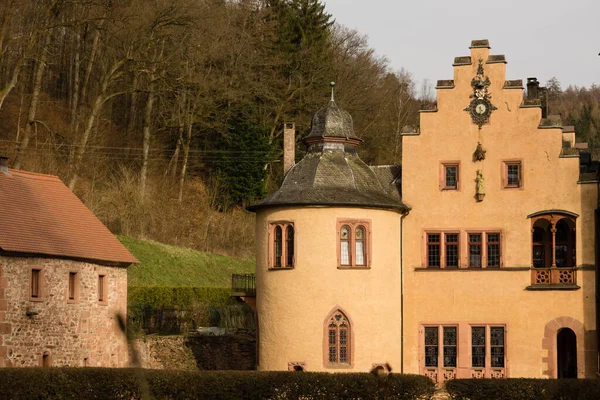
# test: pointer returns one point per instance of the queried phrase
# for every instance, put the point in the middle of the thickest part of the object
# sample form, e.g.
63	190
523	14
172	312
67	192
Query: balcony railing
553	276
243	285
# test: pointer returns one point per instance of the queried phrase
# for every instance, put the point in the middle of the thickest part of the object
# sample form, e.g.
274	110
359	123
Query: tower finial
332	84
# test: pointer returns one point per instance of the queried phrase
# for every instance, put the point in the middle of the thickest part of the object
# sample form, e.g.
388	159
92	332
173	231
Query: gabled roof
40	216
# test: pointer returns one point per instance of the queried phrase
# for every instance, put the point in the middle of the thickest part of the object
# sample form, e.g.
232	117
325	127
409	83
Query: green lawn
165	265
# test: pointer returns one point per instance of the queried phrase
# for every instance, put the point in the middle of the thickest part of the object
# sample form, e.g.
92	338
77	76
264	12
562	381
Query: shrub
524	389
101	383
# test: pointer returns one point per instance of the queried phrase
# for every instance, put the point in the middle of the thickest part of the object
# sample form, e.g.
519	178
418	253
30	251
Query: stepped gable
331	173
40	216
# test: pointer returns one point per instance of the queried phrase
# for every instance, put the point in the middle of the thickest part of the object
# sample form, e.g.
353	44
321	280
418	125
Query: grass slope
165	265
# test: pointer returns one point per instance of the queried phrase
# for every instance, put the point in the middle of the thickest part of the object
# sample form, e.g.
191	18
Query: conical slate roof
332	174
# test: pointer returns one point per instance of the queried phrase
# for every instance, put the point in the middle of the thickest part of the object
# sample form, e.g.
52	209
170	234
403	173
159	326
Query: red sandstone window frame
349	345
463	244
443	181
37	283
280	247
73	287
464	352
506	184
102	289
354	225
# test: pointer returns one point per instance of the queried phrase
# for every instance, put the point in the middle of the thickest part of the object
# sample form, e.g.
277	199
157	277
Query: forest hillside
165	116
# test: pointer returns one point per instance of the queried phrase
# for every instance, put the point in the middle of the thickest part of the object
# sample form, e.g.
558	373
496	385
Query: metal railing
243	285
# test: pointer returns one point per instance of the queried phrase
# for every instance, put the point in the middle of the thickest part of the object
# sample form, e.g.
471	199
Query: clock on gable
480	106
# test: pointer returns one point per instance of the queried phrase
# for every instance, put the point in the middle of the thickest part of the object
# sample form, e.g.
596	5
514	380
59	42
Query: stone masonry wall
197	352
76	333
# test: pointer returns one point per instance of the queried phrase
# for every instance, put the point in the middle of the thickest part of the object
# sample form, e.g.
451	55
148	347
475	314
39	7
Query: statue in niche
479	154
479	189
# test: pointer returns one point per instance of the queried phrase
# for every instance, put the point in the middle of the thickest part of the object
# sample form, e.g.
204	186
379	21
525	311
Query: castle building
484	266
63	278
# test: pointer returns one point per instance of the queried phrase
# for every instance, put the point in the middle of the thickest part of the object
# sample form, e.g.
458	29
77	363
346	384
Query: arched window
353	243
338	338
346	258
360	245
282	245
553	248
289	246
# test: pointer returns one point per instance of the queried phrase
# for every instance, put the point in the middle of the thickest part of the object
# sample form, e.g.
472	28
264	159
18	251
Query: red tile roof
39	215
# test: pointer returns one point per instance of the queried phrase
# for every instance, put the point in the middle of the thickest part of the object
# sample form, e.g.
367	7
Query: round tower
328	262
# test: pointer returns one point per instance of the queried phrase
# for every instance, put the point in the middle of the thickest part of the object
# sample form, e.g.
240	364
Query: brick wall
83	332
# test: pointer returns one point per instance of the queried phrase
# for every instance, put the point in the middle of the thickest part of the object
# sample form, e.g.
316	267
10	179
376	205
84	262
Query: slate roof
40	216
332	174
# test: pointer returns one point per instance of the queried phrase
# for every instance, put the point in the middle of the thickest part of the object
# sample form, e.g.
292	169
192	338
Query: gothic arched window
338	332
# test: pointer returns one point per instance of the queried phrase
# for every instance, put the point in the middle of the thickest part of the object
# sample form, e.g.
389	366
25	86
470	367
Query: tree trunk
186	153
132	108
76	83
146	137
96	108
35	96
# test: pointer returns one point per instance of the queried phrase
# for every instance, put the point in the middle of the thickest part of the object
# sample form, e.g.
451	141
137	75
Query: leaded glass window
431	346
450	346
278	246
478	346
451	176
493	249
451	249
475	250
497	346
433	250
338	339
513	172
345	245
360	245
289	254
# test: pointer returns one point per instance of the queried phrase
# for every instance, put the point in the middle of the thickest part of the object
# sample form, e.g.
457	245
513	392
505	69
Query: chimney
289	146
533	89
4	165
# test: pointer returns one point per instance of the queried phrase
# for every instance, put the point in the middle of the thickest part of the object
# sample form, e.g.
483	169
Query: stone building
485	266
63	278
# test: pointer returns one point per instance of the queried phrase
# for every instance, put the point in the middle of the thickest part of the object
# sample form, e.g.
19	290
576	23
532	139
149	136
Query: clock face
480	108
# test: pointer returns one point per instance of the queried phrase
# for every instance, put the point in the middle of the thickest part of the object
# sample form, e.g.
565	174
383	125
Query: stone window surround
103	300
463	249
271	247
326	362
353	224
463	367
75	300
41	284
504	177
442	175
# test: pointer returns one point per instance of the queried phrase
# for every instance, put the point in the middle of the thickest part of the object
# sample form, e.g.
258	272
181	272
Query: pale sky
540	38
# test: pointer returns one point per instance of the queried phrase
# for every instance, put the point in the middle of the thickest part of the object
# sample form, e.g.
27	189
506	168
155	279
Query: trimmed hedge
172	296
104	383
524	389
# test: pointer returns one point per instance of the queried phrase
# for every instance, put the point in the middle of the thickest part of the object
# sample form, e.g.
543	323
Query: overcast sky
541	38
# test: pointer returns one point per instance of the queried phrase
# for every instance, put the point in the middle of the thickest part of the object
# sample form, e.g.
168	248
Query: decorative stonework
549	345
480	106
